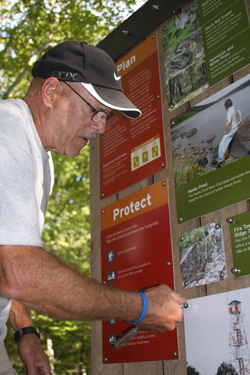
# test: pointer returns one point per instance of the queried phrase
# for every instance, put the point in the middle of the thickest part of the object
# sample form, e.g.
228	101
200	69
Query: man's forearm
42	282
19	316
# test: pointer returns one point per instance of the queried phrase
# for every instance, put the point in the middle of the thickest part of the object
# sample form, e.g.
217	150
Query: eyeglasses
99	115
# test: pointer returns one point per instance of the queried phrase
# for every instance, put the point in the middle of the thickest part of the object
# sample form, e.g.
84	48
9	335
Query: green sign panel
225	32
213	191
240	237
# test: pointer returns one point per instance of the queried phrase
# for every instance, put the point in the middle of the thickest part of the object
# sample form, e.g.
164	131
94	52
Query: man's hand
33	356
164	310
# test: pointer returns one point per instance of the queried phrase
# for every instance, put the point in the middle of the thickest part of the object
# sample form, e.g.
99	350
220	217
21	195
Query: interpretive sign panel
204	44
202	183
132	150
202	256
240	237
136	253
217	333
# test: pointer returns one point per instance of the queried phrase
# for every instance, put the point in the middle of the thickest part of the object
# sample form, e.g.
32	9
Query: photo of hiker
184	57
199	141
202	256
233	122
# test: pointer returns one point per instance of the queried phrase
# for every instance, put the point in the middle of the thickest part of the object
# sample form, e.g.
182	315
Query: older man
75	90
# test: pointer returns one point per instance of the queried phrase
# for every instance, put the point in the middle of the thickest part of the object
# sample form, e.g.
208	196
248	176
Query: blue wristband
144	308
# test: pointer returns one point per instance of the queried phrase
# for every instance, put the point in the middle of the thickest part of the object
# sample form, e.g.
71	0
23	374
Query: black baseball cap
75	61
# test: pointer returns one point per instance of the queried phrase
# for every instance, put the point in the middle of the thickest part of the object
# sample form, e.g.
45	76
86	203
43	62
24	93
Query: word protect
132	207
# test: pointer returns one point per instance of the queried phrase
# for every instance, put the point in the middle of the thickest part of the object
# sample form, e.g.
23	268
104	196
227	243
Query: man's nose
100	126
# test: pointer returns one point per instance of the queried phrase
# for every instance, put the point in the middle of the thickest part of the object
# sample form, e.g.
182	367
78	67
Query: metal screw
222	275
230	220
163	165
157	96
164	183
156	7
168	263
105	359
104	282
185	283
180	219
103	211
103	195
182	238
153	36
175	354
235	270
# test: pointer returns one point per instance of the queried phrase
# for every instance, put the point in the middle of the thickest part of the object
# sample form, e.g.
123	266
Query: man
233	121
69	101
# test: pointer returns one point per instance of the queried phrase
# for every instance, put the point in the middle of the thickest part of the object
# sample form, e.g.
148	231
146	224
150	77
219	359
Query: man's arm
29	348
43	283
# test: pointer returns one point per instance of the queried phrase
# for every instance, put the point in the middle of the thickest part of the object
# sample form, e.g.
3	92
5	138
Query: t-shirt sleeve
19	216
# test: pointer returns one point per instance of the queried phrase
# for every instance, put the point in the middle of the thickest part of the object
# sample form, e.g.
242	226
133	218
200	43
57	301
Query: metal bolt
104	282
163	165
222	275
235	270
157	96
175	354
103	211
182	238
103	195
180	219
230	220
217	226
105	359
156	7
185	283
164	183
168	263
153	36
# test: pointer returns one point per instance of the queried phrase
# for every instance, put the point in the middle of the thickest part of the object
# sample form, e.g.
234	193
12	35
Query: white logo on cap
117	78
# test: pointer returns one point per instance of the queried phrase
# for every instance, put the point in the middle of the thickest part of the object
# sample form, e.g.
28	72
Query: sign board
136	253
132	150
240	236
196	135
205	43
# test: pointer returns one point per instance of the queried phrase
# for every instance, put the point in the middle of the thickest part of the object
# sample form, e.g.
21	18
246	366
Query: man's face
76	126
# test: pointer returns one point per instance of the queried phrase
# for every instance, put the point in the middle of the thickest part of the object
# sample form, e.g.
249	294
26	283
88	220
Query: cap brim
114	99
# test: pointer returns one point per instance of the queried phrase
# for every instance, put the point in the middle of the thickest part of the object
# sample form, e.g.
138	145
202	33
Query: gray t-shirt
233	115
26	175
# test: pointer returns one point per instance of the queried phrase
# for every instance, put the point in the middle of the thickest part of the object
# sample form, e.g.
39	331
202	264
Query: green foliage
226	369
27	29
192	370
181	27
189	173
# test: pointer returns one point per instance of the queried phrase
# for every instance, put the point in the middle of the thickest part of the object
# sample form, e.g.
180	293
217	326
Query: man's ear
50	87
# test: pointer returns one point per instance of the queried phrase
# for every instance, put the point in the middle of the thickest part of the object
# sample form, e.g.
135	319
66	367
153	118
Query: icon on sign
110	256
111	277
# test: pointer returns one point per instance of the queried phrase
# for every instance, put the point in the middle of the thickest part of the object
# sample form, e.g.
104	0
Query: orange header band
135	204
137	55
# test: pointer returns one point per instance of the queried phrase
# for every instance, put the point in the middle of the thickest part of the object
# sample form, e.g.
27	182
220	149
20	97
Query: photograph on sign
184	57
134	149
239	226
136	253
211	144
202	45
202	256
217	334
